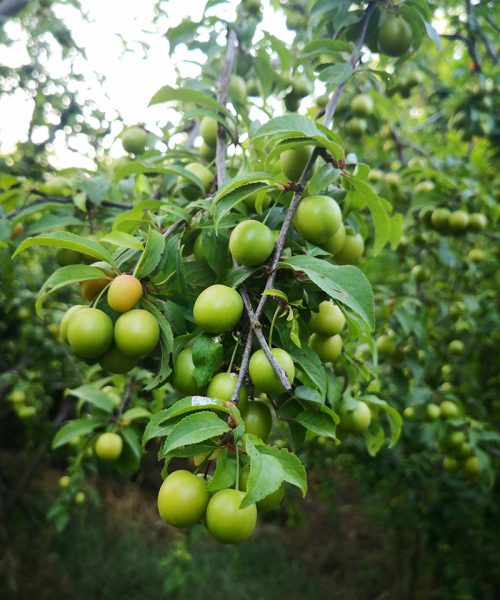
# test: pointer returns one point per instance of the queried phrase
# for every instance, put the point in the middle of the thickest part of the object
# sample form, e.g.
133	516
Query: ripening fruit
336	242
270	501
449	409
90	332
65	257
478	222
356	126
318	218
136	333
439	218
251	242
17	230
134	140
190	190
476	254
57	186
182	499
208	131
218	309
64	482
258	420
63	326
91	288
17	396
456	439
329	320
124	293
108	446
262	373
472	467
182	377
458	221
237	88
358	419
80	498
419	273
116	362
395	36
362	105
293	162
226	521
456	347
222	387
432	412
351	251
409	413
328	348
207	152
450	464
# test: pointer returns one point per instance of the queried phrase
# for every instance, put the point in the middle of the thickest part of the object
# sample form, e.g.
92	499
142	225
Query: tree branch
57	200
220	149
173	228
300	186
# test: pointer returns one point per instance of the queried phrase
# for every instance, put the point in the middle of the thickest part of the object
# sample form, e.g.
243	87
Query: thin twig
220	149
57	200
299	187
174	227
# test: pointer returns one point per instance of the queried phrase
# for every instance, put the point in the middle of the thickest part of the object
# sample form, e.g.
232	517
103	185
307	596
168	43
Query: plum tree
218	309
136	333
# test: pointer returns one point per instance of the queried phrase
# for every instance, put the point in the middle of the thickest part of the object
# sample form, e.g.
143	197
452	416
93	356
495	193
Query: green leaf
136	413
123	240
73	429
225	473
207	358
64	239
234	198
185	96
242	180
336	74
394	418
397	225
181	33
192	429
322	178
132	447
89	393
155	245
65	276
320	48
166	342
312	370
266	475
346	284
374	438
293	469
318	422
381	220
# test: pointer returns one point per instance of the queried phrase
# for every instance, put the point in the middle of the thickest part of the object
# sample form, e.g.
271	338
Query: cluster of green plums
184	500
453	222
117	346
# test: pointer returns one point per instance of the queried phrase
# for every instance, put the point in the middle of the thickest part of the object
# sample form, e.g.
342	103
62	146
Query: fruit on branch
80	498
244	62
218	308
329	320
206	177
91	288
456	347
64	482
237	89
63	326
293	161
358	419
450	464
114	361
57	186
449	409
207	152
208	131
226	521
432	412
90	332
419	273
356	126
65	257
136	333
222	386
251	242
300	87
458	221
386	345
328	348
296	20
292	103
253	88
108	446
270	501
262	373
456	439
253	8
17	230
439	219
258	420
351	251
183	378
317	218
409	413
198	249
124	292
472	468
336	242
362	105
477	222
395	36
476	255
182	499
134	140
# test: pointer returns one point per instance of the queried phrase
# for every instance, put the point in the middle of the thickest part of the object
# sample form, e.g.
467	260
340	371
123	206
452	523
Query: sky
129	79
